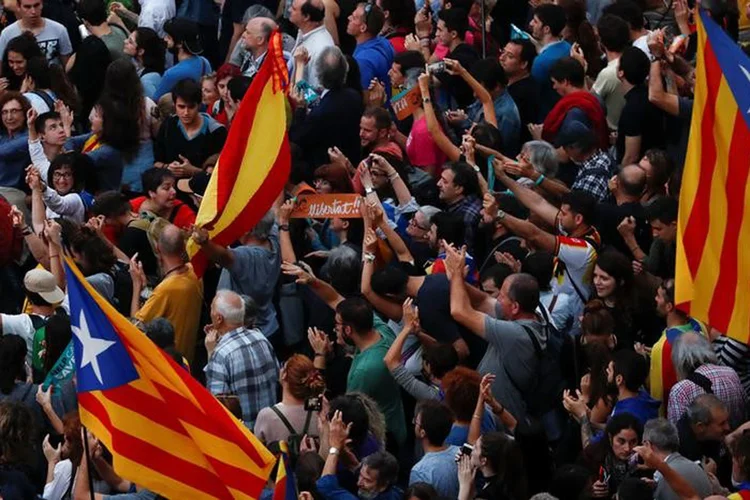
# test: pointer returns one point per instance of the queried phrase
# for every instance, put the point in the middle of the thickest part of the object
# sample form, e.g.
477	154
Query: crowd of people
500	321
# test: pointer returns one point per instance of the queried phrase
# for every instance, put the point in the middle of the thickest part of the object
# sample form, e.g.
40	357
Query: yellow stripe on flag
740	320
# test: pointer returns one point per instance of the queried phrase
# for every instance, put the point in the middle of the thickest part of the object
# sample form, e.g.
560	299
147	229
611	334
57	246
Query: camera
313	404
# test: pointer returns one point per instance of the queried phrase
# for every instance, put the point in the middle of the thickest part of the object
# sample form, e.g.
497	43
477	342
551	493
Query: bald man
179	295
255	38
626	188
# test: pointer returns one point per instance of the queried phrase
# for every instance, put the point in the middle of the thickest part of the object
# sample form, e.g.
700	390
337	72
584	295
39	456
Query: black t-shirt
609	216
171	142
455	85
640	118
134	240
525	94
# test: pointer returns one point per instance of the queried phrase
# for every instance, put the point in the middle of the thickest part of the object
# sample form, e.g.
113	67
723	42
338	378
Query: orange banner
406	102
328	206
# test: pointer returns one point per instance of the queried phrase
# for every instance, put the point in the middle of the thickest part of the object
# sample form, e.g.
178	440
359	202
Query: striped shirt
736	355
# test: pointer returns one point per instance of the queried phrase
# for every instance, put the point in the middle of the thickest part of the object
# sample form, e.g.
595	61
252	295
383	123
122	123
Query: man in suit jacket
334	121
661	436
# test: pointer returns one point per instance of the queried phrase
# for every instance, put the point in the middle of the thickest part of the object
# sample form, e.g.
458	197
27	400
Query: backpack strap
701	381
37	321
285	421
553	302
575	287
307	422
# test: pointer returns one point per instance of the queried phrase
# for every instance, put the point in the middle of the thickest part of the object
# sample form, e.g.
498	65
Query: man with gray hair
240	361
699	372
662	438
255	38
252	268
334	122
703	429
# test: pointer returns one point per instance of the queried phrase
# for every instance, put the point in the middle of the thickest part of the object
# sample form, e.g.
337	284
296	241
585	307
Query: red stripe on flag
738	168
696	230
668	373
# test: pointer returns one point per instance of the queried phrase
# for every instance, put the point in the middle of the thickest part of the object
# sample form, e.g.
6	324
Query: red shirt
181	216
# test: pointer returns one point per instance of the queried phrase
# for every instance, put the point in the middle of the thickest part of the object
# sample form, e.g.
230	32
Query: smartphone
313	404
437	67
466	449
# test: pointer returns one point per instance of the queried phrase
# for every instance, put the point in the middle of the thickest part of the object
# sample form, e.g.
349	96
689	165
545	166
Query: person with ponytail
300	380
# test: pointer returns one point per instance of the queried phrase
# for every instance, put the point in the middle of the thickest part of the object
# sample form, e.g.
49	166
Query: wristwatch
500	215
333	450
369	190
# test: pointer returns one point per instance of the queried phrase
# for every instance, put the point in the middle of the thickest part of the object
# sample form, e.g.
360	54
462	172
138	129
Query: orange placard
406	102
328	206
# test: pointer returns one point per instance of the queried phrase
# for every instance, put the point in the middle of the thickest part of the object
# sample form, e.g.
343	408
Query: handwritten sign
328	206
406	102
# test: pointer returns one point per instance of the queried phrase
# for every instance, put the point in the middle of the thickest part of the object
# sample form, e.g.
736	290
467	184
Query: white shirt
315	42
55	489
642	43
154	13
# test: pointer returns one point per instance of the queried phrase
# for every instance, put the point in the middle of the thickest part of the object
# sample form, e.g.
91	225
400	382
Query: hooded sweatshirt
375	57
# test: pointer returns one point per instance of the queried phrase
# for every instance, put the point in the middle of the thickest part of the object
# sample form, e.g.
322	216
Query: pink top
421	149
441	51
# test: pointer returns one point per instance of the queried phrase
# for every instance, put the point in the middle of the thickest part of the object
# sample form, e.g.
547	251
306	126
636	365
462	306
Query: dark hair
87	74
52	77
160	331
154	51
308	470
17	435
375	18
510	205
24	44
489	73
72	433
80	165
409	59
353	79
570	482
741	452
238	86
122	107
442	358
668	287
627	10
635	488
154	177
620	268
98	254
506	460
390	280
188	90
337	176
382	118
632	366
436	421
597	320
386	465
9	96
524	289
581	203
421	491
41	121
400	14
461	388
540	265
581	32
12	356
663	209
455	19
352	411
662	167
488	135
111	204
614	33
568	69
93	11
634	65
528	51
315	13
465	177
553	16
57	335
450	227
621	421
357	313
497	273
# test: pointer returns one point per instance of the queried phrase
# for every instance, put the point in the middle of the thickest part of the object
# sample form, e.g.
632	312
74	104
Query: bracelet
283	227
54	256
317	354
478	417
539	180
393	176
369	190
426	100
26	231
368	257
476	168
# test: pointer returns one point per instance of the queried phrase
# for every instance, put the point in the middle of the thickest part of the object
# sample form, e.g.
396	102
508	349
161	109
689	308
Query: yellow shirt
179	299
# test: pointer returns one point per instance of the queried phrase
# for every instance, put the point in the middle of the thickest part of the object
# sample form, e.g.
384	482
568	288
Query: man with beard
375	133
183	41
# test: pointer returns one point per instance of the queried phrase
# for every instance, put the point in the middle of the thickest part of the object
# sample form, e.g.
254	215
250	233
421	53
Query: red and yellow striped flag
713	234
253	165
166	432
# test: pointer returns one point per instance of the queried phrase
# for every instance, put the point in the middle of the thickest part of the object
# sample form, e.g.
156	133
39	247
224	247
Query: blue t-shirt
375	57
540	72
439	469
193	68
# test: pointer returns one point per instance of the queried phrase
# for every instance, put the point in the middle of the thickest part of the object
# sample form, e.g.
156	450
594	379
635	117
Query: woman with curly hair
300	381
17	444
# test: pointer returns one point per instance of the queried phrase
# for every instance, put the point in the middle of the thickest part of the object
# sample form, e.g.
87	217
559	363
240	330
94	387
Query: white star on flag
92	347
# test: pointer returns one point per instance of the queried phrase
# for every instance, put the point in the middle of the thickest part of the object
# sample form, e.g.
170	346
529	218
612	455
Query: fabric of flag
166	432
285	487
662	374
253	165
712	279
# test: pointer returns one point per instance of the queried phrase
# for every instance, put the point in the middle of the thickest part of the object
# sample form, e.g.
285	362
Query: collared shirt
315	42
725	384
244	364
250	64
469	207
594	175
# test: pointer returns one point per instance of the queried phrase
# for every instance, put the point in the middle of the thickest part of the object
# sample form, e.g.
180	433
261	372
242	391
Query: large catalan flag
254	164
166	432
713	235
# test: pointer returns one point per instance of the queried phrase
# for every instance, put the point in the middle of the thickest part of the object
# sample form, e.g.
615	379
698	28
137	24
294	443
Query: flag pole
89	464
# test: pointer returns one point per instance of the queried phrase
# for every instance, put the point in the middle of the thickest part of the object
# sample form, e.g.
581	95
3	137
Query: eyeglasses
413	222
368	9
13	111
62	175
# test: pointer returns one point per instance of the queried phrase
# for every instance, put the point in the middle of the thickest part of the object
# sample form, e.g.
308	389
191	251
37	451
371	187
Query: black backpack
295	438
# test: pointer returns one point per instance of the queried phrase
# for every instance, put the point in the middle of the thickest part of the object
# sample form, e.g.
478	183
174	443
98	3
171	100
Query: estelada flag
166	432
285	487
253	165
712	278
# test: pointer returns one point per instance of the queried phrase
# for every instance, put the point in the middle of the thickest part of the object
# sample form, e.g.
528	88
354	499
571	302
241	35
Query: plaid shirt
469	207
244	364
594	175
725	384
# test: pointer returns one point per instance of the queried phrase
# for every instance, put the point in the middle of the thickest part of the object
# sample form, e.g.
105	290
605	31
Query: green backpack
39	345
